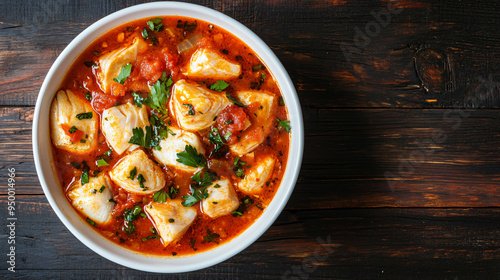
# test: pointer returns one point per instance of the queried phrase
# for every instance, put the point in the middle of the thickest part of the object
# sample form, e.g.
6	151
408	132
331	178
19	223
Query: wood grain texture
349	244
401	164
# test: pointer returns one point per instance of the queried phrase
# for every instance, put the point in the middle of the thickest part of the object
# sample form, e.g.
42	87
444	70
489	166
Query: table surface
402	133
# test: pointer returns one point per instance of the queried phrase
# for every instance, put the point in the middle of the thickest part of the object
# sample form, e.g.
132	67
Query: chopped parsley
210	237
102	162
215	138
88	96
199	190
159	95
111	200
108	153
124	73
129	216
228	136
141	180
258	67
90	64
285	125
186	26
245	204
73	129
138	99
219	86
160	196
192	242
84	116
191	157
132	173
190	107
91	222
238	167
145	33
102	189
171	220
281	101
139	138
234	100
75	164
155	24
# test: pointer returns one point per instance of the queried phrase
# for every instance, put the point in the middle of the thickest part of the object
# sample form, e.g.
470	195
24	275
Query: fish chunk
110	64
119	121
92	199
174	144
257	175
205	63
171	219
154	177
221	200
261	120
195	107
65	106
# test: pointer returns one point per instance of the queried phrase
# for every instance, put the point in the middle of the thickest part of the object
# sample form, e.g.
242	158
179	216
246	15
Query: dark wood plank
454	46
359	148
357	244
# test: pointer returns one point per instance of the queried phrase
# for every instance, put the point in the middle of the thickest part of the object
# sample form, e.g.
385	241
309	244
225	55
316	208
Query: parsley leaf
82	116
155	24
159	131
124	73
138	99
285	125
200	192
140	139
129	216
132	173
190	107
210	237
258	67
219	86
160	196
191	157
234	100
108	153
141	180
102	162
160	92
85	173
215	138
91	222
145	33
186	26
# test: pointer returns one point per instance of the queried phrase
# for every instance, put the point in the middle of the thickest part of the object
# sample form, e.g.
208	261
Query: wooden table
402	148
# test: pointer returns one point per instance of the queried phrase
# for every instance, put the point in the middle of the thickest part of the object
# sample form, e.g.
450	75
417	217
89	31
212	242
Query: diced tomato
75	136
231	120
151	70
118	89
124	200
102	101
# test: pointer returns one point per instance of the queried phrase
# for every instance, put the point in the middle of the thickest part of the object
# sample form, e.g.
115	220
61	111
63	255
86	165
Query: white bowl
54	192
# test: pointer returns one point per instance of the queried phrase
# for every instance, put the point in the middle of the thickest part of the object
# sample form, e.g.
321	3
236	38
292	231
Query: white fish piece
150	171
221	200
91	201
110	64
205	63
257	175
171	219
65	106
174	144
118	123
203	104
261	121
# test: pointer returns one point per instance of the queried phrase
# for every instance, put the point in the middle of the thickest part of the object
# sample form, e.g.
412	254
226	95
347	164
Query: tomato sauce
162	56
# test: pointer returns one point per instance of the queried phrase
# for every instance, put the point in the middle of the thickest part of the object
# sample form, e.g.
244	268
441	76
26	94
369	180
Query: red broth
161	56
